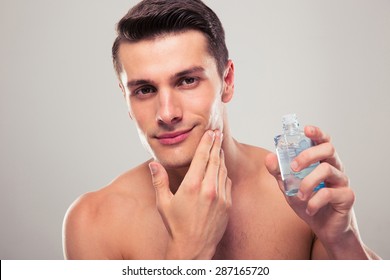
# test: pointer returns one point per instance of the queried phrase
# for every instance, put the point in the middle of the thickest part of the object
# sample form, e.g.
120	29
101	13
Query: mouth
173	137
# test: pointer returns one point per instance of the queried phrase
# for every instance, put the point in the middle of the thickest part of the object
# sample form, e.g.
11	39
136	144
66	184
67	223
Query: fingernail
300	195
294	165
211	133
153	168
308	212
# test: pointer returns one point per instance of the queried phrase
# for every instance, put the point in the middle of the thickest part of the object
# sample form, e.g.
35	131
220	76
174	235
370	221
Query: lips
174	137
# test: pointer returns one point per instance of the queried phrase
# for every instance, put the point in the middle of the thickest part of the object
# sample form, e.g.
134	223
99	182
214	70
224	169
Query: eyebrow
192	70
189	71
134	83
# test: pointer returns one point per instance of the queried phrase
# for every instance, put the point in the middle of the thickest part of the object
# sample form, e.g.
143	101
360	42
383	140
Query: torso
261	225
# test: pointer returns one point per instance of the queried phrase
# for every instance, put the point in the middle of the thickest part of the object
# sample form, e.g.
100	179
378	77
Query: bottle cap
289	119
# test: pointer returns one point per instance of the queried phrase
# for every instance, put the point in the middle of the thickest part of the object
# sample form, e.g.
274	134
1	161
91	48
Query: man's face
174	94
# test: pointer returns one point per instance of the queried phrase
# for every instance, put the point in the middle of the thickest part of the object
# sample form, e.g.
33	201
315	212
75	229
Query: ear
228	79
122	89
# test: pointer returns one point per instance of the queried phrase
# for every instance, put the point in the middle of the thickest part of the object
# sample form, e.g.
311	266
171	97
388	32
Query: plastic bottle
288	145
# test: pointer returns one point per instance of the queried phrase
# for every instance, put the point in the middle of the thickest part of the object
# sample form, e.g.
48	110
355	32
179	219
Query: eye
188	82
144	91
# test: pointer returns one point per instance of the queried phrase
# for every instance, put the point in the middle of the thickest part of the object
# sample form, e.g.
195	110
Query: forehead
168	54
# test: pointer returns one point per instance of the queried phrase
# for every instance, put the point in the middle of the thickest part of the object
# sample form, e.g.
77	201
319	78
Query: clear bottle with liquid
289	145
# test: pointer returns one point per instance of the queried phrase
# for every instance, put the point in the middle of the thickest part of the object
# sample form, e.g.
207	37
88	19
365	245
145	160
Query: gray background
64	124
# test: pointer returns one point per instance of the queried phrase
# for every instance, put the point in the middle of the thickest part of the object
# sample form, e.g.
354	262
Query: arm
196	216
328	211
344	248
80	236
85	231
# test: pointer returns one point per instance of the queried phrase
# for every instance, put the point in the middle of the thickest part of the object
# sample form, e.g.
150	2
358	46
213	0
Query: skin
204	195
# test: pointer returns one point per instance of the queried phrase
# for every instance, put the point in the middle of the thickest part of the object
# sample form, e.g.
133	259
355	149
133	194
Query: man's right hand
197	215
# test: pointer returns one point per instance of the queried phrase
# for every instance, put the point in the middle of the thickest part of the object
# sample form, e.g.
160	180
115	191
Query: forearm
348	246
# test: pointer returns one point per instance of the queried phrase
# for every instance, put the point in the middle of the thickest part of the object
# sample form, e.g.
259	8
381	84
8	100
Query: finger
222	177
199	163
324	152
341	199
228	191
316	134
320	138
271	162
161	184
211	178
324	172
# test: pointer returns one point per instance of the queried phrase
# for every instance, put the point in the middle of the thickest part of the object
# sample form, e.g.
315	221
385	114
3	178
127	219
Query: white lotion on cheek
216	114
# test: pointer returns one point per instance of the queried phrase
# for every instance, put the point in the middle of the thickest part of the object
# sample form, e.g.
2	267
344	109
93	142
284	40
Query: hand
196	216
329	210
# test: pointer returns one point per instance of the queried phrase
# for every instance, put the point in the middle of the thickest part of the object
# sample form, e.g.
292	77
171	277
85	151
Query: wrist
347	245
186	251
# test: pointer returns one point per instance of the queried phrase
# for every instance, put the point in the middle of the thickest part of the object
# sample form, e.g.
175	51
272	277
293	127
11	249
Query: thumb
272	164
160	183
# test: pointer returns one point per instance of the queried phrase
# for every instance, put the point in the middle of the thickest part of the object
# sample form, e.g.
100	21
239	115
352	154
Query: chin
176	156
174	162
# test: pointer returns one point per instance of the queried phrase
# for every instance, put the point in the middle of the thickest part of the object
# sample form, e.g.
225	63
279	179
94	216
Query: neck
232	153
176	177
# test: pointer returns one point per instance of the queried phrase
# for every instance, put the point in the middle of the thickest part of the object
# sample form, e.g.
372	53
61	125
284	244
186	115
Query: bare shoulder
267	184
258	196
101	215
255	161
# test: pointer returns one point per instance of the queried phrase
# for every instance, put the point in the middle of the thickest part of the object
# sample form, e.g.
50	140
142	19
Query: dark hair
152	18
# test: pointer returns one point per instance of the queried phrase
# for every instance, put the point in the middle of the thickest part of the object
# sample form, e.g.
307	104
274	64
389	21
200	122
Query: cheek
201	105
209	109
140	114
129	107
215	116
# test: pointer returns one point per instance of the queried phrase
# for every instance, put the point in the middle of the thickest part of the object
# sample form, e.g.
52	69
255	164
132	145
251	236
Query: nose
169	108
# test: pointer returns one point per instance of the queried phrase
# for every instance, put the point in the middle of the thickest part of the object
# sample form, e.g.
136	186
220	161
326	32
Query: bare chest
254	238
263	226
255	233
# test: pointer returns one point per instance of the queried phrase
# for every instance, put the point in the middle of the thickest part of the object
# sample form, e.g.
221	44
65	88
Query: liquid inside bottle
288	146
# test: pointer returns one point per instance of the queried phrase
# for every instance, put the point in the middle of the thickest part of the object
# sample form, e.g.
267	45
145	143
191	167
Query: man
203	195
